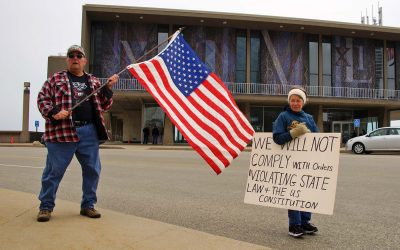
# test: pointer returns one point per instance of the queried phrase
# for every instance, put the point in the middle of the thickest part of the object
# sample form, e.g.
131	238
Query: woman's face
296	103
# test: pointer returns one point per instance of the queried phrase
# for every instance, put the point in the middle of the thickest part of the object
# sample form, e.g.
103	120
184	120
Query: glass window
313	64
394	131
379	65
178	137
241	56
380	132
327	61
162	36
255	57
391	81
96	46
261	118
257	118
154	117
270	115
210	54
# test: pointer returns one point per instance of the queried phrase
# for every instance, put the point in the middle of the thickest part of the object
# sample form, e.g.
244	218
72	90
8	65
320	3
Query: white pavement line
19	166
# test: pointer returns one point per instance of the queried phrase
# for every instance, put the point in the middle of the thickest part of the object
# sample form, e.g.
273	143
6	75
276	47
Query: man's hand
299	130
63	114
112	80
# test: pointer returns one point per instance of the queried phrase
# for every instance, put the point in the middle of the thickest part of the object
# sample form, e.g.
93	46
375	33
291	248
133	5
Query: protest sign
299	175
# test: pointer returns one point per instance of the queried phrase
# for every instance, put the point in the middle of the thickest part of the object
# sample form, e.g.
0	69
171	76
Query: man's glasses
72	55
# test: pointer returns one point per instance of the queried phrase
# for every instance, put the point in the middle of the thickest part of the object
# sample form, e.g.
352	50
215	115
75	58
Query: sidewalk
68	230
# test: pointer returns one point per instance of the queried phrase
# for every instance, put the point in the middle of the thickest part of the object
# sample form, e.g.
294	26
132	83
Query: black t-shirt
80	90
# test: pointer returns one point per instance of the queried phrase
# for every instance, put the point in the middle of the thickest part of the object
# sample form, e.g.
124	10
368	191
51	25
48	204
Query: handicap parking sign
356	123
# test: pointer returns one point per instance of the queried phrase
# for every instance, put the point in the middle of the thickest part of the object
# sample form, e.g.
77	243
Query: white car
381	139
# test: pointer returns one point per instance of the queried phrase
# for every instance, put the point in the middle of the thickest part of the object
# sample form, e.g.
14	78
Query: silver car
381	139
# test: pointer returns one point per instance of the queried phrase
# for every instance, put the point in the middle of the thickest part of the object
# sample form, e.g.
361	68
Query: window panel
241	56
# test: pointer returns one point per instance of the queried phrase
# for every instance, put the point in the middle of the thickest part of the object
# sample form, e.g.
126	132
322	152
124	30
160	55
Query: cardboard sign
299	175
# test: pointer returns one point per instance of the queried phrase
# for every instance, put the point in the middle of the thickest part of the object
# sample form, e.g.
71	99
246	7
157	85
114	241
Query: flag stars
186	70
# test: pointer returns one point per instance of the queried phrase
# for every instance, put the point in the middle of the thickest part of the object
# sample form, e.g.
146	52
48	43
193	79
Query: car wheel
358	148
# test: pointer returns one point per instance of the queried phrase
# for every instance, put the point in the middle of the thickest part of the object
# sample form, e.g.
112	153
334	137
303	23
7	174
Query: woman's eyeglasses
72	55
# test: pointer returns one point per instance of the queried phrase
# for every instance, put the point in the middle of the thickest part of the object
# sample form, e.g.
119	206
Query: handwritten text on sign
299	175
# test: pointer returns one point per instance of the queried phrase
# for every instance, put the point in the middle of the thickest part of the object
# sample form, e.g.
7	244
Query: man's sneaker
44	215
90	212
296	231
309	228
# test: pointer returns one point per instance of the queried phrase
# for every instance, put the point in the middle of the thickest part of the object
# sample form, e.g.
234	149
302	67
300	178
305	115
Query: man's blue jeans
59	156
298	217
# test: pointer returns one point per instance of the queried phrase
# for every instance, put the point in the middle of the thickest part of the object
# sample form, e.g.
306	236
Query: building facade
350	71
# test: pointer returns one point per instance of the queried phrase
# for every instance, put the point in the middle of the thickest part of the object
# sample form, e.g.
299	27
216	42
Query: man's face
76	62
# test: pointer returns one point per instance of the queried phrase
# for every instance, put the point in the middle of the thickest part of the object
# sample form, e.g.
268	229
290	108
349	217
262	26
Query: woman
291	123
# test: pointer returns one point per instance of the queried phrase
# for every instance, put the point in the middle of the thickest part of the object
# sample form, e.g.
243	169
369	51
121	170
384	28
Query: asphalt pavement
365	183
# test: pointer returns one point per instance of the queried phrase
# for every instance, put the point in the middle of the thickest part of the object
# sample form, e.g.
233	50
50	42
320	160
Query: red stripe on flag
191	114
222	113
213	118
176	112
196	147
227	103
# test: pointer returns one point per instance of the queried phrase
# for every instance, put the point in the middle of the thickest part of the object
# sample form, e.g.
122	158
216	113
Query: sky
33	30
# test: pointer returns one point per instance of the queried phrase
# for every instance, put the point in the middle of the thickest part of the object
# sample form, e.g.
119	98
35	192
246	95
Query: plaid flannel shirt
55	95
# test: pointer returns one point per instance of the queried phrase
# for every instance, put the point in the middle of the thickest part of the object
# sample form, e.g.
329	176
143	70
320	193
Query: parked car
381	139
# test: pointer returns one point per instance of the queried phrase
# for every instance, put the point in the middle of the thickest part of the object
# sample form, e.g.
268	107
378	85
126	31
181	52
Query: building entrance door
153	124
344	127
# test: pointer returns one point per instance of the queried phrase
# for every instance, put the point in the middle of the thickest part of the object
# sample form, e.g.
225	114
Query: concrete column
246	110
386	118
24	137
320	120
168	137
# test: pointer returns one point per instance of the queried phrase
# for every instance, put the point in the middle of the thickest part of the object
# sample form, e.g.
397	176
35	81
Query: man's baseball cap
76	48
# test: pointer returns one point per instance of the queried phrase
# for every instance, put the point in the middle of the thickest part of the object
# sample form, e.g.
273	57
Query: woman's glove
298	130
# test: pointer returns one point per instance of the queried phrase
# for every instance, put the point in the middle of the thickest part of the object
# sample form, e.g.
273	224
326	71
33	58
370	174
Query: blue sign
356	123
36	123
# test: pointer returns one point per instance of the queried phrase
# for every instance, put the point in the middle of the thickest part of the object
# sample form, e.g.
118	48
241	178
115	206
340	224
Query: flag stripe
197	102
164	95
204	152
220	114
219	92
220	87
180	115
195	117
221	109
221	122
180	101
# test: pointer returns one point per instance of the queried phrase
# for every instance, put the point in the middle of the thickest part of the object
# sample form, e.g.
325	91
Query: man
155	133
77	132
146	132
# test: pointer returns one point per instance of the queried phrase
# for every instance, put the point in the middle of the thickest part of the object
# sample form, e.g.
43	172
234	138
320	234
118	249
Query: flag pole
135	61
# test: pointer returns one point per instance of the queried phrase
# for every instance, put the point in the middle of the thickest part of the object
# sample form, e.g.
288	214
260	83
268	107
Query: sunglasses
72	55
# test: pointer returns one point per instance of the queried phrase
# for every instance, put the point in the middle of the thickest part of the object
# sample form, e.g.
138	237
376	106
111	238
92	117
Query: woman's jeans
59	156
298	217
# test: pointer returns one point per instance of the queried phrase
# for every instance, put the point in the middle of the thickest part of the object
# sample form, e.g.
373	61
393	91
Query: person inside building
155	133
146	132
77	132
292	123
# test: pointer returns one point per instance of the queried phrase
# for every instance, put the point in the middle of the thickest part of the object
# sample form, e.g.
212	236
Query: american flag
197	102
